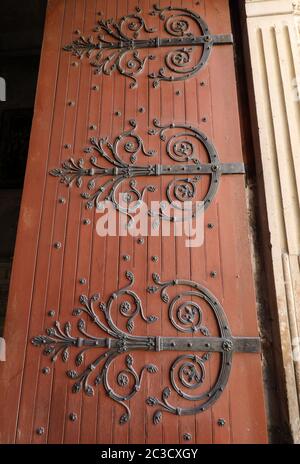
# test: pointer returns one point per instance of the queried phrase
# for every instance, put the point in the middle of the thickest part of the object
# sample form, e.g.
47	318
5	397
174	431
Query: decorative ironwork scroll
183	143
187	310
118	45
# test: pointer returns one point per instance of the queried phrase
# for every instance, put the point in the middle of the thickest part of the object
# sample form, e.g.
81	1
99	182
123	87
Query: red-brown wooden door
144	349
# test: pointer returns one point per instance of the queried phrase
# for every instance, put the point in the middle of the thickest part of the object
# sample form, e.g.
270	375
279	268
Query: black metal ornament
186	313
187	170
118	46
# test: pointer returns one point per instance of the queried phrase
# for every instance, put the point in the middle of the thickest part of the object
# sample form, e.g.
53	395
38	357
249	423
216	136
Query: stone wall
273	28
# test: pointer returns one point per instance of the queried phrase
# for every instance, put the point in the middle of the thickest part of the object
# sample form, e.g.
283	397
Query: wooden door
133	339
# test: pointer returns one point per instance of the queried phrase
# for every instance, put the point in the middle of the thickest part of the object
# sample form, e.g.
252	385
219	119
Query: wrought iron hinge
184	145
118	46
186	311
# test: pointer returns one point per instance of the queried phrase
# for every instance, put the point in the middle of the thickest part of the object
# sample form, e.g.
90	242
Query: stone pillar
274	40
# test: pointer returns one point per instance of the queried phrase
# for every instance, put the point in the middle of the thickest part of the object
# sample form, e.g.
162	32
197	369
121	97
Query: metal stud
141	110
75	64
51	313
93	127
155	259
95	87
202	83
126	258
73	417
210	225
46	370
67	145
141	240
178	92
118	113
82	281
221	422
187	436
86	222
78	32
204	119
57	245
62	200
213	274
40	431
71	103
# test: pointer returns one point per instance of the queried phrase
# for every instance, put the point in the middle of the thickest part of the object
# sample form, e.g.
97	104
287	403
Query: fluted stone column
274	39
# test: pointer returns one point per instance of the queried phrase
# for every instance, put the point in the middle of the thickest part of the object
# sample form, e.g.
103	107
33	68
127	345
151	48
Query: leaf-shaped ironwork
187	373
180	141
117	45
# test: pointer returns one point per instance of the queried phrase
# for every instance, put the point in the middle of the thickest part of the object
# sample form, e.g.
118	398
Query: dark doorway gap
21	34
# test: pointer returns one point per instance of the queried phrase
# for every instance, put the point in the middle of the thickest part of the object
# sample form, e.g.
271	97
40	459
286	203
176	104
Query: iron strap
202	344
211	344
135	44
210	168
167	170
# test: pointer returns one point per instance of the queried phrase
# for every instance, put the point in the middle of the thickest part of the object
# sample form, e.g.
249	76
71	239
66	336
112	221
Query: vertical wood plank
30	230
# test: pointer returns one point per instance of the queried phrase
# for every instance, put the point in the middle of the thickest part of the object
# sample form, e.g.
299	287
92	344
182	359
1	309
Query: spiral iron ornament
193	156
125	45
187	302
